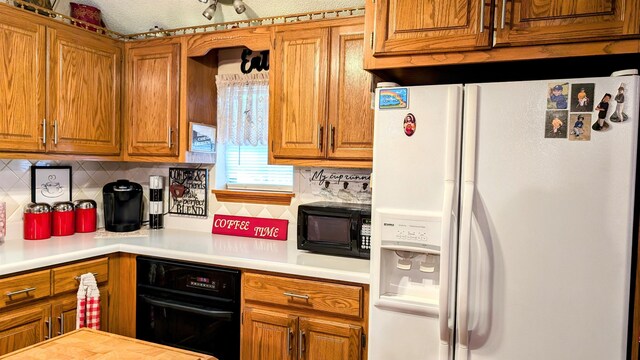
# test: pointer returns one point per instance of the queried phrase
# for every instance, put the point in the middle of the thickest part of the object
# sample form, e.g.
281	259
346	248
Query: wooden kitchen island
93	344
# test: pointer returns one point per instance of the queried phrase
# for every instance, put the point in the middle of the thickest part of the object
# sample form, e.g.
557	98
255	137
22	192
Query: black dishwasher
189	306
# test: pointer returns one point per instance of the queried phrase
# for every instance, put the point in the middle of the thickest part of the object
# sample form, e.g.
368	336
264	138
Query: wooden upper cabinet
299	96
84	93
350	134
22	84
426	26
152	100
524	22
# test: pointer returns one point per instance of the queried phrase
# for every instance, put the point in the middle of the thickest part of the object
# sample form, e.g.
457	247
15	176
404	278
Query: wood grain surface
152	100
270	335
22	84
322	296
84	93
64	278
86	343
299	97
350	132
39	281
24	327
323	339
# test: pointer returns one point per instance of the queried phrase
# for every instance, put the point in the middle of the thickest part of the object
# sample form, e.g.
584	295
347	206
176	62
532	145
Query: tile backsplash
88	178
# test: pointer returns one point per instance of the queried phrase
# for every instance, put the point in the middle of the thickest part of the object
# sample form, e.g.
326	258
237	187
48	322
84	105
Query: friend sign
263	228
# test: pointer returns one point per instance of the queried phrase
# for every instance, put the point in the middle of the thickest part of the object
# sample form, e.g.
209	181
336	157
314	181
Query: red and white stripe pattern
88	310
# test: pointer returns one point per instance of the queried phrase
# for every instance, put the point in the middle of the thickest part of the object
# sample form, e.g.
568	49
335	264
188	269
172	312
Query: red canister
63	219
37	221
85	216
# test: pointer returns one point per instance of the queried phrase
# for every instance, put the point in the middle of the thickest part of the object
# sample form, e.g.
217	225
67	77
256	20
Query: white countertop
195	246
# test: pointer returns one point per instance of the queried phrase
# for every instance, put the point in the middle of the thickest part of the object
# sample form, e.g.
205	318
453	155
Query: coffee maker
122	206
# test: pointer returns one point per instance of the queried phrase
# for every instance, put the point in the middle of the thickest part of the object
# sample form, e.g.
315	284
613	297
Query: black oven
189	306
335	228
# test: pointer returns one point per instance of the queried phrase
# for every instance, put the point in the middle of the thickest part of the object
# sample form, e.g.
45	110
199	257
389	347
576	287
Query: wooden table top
93	344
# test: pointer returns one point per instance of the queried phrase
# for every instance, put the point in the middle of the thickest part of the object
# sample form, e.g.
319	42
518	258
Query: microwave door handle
176	305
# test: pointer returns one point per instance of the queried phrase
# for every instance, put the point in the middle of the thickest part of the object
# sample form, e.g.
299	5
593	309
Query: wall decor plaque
188	191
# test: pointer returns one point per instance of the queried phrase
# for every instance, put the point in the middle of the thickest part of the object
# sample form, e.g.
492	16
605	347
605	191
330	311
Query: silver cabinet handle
55	132
332	135
301	346
27	290
289	334
44	131
49	330
320	128
170	137
481	16
306	297
77	278
61	320
504	14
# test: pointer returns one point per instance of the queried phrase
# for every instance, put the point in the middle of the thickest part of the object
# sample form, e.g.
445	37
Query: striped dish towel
88	310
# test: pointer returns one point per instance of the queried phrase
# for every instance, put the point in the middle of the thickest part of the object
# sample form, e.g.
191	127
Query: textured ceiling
134	16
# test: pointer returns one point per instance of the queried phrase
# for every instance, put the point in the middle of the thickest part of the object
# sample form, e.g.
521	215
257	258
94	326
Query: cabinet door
64	312
412	27
525	22
329	340
84	94
350	114
268	335
22	84
24	327
152	100
299	94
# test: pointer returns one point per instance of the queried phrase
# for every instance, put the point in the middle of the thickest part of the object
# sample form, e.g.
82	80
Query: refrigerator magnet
619	115
409	124
580	127
602	108
582	97
396	98
555	126
557	96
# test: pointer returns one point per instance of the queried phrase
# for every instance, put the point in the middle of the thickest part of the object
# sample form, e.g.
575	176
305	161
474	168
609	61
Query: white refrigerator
502	220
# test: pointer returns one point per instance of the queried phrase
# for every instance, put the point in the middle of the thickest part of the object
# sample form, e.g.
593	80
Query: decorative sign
258	62
263	228
351	186
50	184
188	191
202	138
397	98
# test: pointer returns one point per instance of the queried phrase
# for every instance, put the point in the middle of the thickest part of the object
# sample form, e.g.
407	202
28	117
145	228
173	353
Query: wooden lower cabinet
269	335
24	327
64	312
287	317
49	309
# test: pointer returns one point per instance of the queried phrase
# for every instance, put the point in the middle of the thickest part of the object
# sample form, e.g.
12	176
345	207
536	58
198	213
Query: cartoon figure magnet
619	115
409	124
602	108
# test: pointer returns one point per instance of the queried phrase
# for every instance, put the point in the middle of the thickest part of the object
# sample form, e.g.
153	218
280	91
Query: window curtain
243	109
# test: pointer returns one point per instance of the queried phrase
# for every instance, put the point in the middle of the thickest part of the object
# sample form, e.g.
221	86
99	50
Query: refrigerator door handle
448	216
469	161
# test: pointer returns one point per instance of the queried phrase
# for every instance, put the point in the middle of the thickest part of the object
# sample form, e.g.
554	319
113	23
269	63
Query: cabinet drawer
22	288
64	277
304	294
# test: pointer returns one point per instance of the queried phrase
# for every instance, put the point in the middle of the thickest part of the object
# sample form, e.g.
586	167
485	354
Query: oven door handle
177	305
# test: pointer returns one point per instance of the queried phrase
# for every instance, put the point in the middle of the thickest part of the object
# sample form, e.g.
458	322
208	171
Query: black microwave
335	228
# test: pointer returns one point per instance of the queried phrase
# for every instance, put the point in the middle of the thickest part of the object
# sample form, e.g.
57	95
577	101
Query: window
243	117
247	169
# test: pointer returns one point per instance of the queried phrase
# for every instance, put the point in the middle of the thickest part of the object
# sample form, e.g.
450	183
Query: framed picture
50	184
202	138
188	191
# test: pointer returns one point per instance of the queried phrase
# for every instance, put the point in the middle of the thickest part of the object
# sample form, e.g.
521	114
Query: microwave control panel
365	234
412	231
